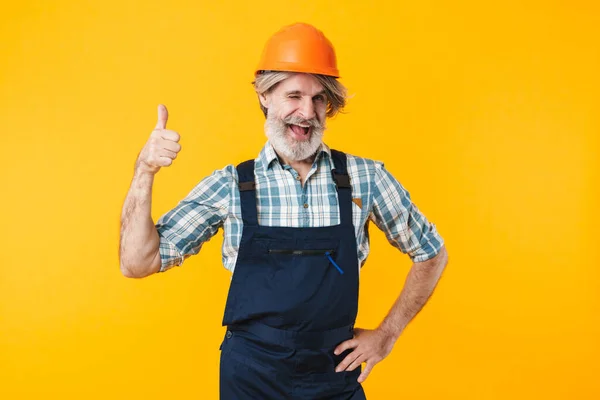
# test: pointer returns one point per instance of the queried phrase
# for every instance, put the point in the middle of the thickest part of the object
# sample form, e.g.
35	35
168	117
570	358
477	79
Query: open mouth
300	132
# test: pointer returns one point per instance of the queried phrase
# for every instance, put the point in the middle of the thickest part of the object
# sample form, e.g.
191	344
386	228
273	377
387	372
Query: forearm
420	283
139	244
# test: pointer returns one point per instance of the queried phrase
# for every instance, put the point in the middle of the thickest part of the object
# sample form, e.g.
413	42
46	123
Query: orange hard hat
299	48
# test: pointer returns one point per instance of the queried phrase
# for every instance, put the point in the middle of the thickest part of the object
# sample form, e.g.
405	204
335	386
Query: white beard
293	150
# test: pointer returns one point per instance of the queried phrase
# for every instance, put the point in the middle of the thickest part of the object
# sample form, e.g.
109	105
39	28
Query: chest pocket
299	263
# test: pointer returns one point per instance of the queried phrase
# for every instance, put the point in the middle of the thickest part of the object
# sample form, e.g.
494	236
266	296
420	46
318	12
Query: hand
370	346
162	147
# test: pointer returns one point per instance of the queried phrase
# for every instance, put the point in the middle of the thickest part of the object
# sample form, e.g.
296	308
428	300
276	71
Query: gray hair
335	92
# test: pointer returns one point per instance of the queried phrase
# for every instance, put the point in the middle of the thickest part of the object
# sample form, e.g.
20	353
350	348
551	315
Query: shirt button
305	205
298	177
229	334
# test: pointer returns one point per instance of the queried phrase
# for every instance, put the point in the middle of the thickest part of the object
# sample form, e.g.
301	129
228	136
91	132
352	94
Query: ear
265	99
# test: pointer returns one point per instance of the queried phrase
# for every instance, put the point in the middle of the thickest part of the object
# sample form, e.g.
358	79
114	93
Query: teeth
302	126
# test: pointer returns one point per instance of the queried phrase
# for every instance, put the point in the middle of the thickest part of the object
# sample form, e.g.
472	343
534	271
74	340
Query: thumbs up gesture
162	147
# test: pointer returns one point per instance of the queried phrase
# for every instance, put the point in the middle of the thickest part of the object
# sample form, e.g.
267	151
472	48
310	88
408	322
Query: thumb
163	115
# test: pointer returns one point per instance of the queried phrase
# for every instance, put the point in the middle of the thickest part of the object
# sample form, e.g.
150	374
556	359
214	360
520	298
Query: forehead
304	83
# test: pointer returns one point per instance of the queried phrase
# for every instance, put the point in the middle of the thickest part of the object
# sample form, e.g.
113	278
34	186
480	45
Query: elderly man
295	236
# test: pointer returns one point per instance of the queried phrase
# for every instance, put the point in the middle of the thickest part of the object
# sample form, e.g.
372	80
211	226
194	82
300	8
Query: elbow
441	259
138	272
442	262
128	271
443	256
438	262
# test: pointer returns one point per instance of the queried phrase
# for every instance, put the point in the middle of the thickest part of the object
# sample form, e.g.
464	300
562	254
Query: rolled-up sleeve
405	227
195	220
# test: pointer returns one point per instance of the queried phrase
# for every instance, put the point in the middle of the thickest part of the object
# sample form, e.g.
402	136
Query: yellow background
488	113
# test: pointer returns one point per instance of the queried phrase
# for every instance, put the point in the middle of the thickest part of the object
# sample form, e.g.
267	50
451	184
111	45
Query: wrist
141	171
389	332
142	182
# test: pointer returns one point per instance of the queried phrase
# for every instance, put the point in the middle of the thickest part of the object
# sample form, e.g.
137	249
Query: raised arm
139	243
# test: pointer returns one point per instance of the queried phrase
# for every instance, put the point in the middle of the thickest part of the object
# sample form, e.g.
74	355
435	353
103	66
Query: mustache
295	120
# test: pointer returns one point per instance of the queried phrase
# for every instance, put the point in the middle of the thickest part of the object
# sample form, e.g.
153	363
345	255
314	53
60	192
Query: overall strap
344	189
247	189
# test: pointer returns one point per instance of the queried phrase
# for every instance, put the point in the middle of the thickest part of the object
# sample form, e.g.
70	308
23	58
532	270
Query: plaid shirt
283	201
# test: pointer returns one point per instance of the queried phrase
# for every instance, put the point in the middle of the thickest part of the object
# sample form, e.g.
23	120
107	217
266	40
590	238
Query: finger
363	375
169	135
170	145
168	153
348	344
164	161
163	115
354	364
347	361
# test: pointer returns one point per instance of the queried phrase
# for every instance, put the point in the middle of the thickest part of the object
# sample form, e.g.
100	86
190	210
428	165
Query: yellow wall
488	114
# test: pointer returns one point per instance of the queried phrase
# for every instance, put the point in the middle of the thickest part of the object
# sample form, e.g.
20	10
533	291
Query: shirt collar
268	155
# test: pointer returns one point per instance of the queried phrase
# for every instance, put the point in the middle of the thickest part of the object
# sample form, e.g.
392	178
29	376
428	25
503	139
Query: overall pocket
327	253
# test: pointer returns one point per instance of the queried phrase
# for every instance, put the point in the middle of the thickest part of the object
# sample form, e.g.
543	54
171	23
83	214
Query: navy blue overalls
293	298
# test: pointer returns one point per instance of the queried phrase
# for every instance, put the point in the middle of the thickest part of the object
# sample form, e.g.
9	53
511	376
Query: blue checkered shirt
283	201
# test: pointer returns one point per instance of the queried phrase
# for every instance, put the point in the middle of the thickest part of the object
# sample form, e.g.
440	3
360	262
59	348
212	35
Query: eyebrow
322	92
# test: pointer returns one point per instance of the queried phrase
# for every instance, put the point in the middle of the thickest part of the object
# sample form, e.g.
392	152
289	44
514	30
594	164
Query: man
295	223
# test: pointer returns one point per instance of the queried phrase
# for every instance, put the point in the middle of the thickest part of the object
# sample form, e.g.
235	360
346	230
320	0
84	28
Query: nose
307	108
